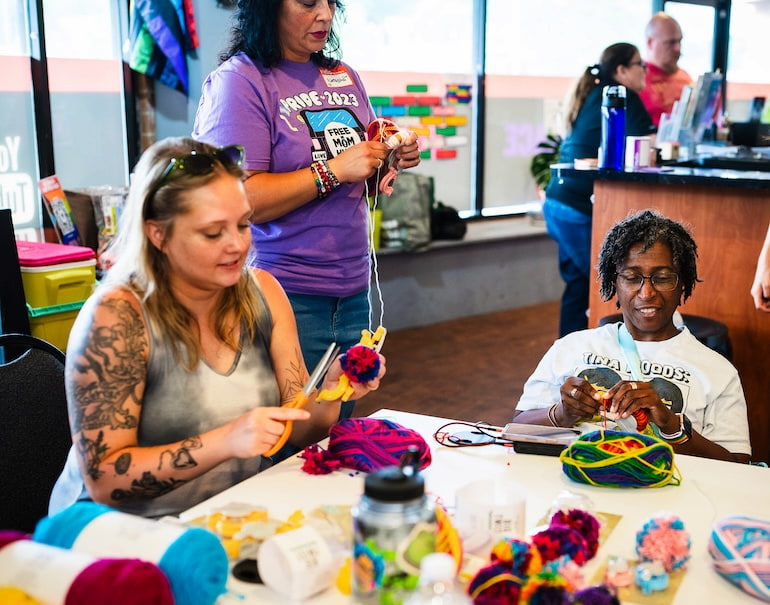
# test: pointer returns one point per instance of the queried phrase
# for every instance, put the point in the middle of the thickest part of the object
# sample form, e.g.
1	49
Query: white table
710	490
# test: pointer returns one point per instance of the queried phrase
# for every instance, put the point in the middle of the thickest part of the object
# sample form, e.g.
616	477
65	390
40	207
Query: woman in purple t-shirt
301	114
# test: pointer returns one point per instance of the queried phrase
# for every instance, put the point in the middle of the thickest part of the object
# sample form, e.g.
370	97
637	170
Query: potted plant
540	166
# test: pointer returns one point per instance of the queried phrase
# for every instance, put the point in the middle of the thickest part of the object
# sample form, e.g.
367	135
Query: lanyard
628	346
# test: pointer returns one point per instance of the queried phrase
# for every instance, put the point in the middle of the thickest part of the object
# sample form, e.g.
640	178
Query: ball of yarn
740	549
360	364
98	581
663	538
595	595
495	585
584	523
521	558
369	444
620	459
545	588
559	540
195	563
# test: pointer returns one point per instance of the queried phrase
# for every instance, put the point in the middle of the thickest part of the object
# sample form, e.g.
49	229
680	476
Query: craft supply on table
48	574
488	510
394	527
740	548
365	444
619	459
193	559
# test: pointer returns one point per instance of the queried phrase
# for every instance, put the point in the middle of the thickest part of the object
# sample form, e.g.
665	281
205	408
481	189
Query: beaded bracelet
325	180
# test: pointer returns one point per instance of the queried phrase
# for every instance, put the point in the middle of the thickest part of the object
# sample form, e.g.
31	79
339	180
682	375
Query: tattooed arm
106	374
290	369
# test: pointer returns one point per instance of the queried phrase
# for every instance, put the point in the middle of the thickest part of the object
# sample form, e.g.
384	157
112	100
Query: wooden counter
728	213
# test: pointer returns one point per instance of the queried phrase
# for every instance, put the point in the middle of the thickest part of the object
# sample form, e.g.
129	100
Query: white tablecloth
710	490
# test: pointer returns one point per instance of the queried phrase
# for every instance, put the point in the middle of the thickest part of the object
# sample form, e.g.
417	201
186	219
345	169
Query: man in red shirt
664	79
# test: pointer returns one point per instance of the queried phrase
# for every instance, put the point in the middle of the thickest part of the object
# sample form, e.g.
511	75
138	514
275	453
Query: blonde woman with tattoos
178	365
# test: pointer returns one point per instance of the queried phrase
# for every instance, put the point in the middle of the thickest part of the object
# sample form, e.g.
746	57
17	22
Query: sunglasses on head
197	163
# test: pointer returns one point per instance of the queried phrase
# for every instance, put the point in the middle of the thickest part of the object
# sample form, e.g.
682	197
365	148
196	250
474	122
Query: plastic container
394	527
53	324
438	585
54	274
613	146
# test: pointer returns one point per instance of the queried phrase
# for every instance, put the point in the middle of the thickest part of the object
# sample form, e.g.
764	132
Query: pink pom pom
663	538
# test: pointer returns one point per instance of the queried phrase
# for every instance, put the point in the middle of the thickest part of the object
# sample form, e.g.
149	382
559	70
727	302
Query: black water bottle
611	154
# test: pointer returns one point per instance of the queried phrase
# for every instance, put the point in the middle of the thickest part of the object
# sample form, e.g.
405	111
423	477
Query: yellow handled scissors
302	397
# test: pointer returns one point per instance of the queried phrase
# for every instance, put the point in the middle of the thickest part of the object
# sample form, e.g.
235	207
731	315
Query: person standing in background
760	289
301	114
665	79
568	205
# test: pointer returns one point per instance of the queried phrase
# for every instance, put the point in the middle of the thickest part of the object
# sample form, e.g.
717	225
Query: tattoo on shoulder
111	364
145	488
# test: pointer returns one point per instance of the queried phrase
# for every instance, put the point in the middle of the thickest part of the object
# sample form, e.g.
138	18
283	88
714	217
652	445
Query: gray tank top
179	405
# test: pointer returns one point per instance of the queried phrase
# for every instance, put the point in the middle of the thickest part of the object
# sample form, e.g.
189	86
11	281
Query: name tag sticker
337	77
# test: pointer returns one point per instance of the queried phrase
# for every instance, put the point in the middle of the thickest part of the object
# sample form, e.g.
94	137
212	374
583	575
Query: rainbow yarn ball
663	538
360	364
620	459
545	588
519	557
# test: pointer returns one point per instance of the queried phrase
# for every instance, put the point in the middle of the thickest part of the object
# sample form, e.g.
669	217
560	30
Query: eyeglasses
641	64
198	164
662	282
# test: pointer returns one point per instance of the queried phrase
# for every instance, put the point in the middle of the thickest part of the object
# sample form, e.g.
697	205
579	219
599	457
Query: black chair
710	332
34	429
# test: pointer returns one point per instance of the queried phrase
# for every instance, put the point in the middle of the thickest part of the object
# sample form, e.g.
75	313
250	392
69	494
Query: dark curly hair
256	33
647	228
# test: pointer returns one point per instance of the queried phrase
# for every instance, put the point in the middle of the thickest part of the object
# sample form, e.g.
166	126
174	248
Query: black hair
647	228
256	33
615	55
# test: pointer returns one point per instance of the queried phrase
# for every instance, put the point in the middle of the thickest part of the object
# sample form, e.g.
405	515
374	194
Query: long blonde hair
144	269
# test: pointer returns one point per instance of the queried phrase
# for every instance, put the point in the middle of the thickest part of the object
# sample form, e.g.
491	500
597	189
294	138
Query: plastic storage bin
54	274
53	324
57	280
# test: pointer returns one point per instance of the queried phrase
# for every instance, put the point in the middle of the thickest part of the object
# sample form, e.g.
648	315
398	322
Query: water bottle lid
397	483
614	96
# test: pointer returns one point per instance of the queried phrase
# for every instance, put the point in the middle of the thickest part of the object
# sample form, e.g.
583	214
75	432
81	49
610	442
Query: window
428	44
81	135
18	147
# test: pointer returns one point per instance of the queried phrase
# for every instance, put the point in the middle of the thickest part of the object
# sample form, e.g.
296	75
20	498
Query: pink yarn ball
663	538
